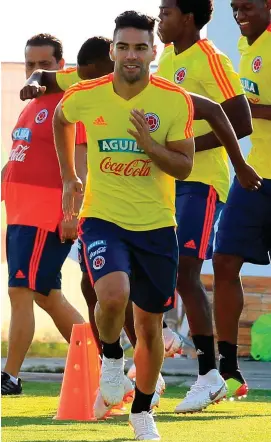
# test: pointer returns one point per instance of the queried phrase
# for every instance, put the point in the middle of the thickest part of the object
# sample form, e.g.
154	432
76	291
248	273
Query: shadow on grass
19	421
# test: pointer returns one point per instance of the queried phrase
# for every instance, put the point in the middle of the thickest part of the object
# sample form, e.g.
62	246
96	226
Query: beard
132	78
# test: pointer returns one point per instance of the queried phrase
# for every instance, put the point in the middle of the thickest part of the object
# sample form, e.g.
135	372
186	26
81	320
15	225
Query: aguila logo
153	121
133	168
180	75
257	64
41	116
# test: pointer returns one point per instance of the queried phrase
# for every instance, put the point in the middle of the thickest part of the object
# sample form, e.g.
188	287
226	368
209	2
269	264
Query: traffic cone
81	377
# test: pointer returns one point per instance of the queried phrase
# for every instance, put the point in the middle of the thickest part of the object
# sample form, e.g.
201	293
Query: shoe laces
195	389
145	423
113	373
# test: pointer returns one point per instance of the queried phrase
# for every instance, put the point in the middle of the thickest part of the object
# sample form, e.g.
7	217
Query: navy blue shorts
245	226
150	258
197	210
35	258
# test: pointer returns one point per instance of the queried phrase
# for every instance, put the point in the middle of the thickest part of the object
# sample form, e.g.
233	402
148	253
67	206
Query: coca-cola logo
18	153
133	168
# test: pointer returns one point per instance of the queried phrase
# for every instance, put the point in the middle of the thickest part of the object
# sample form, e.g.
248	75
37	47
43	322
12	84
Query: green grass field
29	418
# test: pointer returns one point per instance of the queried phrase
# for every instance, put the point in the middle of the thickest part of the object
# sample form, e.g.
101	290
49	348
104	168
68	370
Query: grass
49	350
29	419
42	349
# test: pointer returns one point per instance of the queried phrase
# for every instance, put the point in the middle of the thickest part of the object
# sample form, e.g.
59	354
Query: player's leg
23	242
63	314
91	300
241	237
197	208
153	281
48	293
107	261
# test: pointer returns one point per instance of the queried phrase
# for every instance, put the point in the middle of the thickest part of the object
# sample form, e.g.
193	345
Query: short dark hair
47	40
133	19
201	9
94	49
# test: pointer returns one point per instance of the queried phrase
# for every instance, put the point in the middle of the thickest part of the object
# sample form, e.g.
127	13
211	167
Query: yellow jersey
206	71
124	186
67	77
255	73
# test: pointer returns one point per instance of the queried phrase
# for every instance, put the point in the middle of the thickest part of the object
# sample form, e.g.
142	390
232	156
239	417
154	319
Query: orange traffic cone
81	377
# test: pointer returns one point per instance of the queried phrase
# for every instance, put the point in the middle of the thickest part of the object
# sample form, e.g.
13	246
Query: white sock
13	379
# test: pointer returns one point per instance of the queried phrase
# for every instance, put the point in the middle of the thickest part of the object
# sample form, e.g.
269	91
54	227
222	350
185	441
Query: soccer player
244	231
38	240
198	66
136	147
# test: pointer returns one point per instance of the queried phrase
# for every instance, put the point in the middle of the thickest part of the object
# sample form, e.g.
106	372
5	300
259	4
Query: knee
113	301
20	297
226	268
188	276
149	329
48	303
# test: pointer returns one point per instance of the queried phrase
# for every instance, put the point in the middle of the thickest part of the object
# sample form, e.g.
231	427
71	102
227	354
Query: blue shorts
35	258
245	226
150	259
197	210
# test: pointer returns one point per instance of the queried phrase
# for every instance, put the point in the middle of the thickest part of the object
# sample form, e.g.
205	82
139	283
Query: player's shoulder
211	51
161	83
87	85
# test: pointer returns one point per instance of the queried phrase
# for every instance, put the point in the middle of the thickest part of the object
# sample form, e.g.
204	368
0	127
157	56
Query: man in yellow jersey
244	232
198	66
88	64
136	146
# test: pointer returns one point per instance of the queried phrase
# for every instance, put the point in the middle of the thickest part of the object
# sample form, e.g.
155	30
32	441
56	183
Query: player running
244	232
198	66
38	240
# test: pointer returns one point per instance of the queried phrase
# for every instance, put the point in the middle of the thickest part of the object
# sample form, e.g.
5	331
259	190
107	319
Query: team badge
257	64
153	121
180	75
41	116
98	262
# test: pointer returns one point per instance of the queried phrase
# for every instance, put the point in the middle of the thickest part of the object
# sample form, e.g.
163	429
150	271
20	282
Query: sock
142	402
112	351
205	352
13	379
164	324
227	357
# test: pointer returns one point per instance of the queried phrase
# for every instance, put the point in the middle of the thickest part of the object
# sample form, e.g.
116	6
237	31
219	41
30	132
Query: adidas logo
100	121
200	352
190	244
20	275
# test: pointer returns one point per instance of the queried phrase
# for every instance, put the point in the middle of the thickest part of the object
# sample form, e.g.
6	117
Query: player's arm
205	109
64	135
175	158
262	111
48	82
223	85
233	108
39	83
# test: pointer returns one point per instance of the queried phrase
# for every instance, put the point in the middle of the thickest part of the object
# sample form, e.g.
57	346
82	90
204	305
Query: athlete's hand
33	90
142	133
69	229
248	177
72	188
